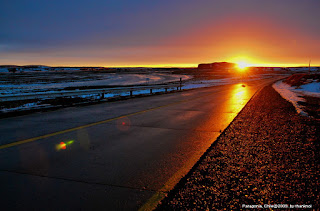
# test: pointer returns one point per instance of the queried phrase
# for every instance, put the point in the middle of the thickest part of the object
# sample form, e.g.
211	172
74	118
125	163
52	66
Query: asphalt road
119	155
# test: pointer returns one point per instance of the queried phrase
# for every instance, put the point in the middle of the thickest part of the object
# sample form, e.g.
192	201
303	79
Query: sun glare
242	65
242	62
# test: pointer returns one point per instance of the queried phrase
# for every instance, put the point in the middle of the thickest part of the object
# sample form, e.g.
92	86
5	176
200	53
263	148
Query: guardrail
102	92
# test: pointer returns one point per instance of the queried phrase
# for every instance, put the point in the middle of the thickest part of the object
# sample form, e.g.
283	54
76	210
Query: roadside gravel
268	155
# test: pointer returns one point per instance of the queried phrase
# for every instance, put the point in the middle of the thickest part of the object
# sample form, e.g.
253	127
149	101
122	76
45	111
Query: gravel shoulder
268	155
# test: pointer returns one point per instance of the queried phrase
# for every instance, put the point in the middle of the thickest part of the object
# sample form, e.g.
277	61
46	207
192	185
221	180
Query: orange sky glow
167	34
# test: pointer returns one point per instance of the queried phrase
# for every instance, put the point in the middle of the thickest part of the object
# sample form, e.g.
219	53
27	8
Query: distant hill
217	66
40	68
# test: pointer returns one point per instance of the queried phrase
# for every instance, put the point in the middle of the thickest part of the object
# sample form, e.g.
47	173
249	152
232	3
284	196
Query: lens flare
123	124
70	142
63	145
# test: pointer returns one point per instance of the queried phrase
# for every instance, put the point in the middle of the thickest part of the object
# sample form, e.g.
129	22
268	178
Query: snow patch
4	70
310	89
287	92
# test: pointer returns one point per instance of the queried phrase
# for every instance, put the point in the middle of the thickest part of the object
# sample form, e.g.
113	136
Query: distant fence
102	92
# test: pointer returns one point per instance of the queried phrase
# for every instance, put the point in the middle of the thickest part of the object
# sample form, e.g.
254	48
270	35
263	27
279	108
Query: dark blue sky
151	32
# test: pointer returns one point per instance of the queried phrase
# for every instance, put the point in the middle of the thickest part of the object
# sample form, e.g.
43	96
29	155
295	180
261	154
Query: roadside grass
312	106
301	79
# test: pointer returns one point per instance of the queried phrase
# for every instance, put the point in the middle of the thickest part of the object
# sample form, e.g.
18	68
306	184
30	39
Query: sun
242	65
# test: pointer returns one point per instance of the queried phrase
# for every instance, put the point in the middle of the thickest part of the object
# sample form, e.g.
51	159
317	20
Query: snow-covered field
112	79
59	82
295	94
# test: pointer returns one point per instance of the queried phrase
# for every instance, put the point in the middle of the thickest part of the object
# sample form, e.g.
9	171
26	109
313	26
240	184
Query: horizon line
161	65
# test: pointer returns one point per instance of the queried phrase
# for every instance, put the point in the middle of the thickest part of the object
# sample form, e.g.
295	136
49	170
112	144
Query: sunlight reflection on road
239	95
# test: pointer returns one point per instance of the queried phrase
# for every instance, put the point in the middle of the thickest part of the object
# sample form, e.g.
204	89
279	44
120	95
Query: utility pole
309	66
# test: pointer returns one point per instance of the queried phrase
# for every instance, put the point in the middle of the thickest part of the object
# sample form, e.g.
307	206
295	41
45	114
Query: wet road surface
119	155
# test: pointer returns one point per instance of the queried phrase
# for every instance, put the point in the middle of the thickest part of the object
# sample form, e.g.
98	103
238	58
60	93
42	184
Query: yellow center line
78	128
93	124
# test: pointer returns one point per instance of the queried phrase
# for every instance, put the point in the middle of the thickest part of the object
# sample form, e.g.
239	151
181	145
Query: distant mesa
217	66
